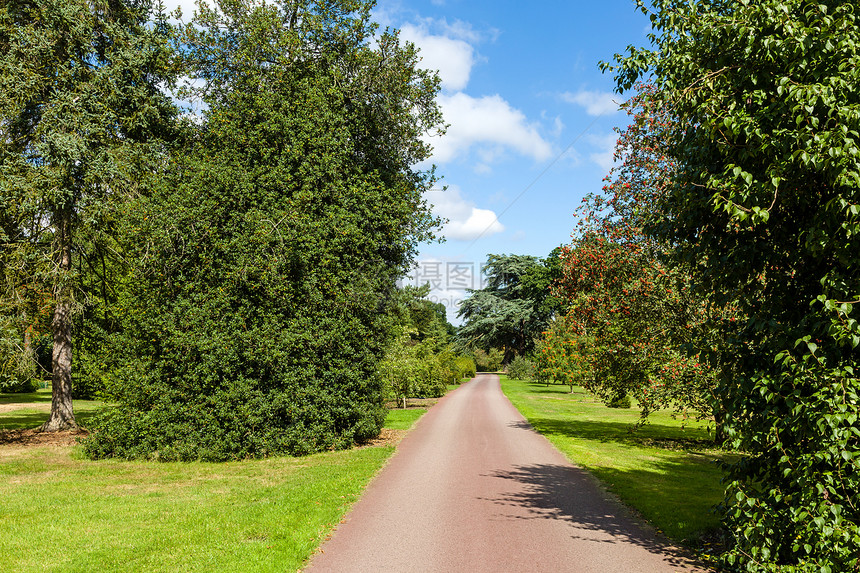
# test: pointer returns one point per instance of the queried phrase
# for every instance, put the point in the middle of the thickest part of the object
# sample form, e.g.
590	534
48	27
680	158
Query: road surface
473	488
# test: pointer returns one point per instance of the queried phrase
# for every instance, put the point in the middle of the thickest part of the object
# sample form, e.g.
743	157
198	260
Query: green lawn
666	470
35	412
400	419
61	512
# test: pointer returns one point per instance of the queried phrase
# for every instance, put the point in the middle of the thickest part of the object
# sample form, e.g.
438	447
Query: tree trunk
62	417
719	430
508	357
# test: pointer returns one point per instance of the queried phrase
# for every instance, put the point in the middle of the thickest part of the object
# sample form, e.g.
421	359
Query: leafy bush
488	361
15	383
412	369
521	368
766	209
17	370
619	401
465	368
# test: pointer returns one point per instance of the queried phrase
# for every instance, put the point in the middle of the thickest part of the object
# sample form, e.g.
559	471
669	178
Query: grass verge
665	469
65	513
400	419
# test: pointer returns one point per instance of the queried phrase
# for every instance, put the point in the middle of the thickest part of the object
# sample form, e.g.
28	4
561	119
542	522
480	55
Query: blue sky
531	121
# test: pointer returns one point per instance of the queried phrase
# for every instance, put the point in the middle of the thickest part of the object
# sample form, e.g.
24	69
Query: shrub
619	401
266	254
488	361
521	368
465	368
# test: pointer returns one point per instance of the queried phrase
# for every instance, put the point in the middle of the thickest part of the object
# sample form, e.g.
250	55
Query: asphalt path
473	488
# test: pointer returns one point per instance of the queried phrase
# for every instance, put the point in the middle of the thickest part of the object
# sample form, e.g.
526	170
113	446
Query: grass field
665	469
64	513
400	419
32	410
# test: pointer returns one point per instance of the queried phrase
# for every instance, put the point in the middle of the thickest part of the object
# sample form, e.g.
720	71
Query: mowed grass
400	419
33	408
666	469
61	512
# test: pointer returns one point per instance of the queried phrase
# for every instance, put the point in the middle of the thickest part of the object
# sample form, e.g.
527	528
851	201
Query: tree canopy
631	315
514	308
82	117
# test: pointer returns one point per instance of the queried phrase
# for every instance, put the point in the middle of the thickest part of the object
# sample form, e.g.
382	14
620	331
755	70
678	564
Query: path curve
473	488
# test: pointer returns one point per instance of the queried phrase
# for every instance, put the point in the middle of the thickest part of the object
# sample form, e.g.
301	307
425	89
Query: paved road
474	489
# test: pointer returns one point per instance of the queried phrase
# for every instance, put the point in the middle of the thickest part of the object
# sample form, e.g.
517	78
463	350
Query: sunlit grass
33	408
62	512
666	469
402	419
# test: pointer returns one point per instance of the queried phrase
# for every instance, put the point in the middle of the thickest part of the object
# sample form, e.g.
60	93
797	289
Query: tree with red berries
637	312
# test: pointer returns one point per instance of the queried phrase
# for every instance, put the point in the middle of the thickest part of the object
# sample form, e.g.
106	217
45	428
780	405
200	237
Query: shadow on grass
650	435
30	420
561	390
570	494
26	398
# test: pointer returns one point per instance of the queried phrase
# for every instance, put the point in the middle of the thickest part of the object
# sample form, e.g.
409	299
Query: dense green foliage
488	360
83	115
265	263
521	368
630	322
632	318
766	206
514	308
419	360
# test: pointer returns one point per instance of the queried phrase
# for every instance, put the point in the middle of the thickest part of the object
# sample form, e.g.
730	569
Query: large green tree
766	206
266	265
81	110
514	308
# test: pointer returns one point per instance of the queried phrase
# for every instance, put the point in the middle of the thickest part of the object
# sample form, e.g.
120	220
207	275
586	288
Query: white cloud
465	220
452	57
605	150
595	103
488	121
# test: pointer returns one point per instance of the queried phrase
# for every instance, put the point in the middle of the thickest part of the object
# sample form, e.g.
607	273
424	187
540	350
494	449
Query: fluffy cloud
604	146
489	121
595	103
452	56
465	220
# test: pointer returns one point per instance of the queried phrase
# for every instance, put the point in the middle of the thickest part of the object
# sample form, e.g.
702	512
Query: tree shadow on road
570	494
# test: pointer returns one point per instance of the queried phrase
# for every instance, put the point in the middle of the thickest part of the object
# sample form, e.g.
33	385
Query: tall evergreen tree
514	308
80	104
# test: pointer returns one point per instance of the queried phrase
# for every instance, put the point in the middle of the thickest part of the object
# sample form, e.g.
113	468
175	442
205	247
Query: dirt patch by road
387	437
